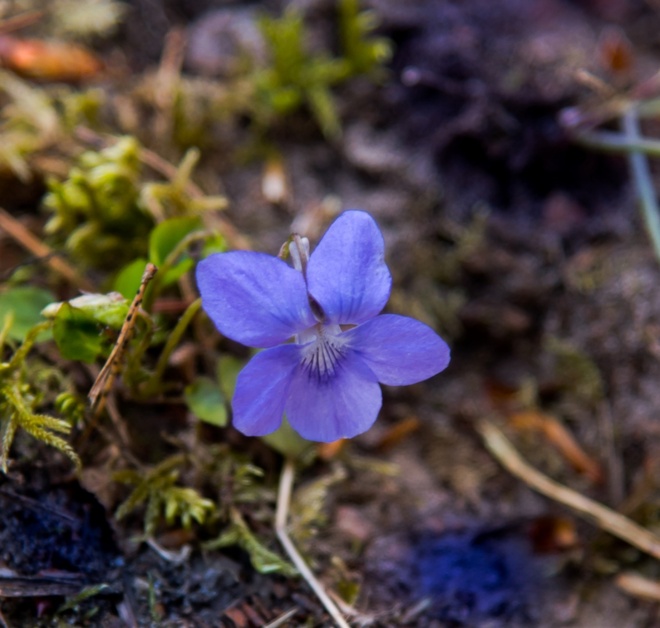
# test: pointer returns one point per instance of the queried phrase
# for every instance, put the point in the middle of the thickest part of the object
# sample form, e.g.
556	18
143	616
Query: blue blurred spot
471	576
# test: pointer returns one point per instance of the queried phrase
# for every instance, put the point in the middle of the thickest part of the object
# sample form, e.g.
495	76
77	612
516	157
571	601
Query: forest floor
507	229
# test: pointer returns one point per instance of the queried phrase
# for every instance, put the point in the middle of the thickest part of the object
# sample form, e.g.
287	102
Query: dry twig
637	585
603	517
100	391
281	516
283	618
29	241
103	384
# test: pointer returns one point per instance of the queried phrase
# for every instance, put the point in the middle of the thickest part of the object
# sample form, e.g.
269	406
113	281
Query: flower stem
641	174
281	516
299	252
170	345
169	262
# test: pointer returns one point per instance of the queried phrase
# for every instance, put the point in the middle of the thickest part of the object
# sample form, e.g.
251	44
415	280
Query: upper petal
347	273
253	298
341	406
399	350
262	388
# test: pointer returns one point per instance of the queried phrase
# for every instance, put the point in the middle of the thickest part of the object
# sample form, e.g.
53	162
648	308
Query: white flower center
322	350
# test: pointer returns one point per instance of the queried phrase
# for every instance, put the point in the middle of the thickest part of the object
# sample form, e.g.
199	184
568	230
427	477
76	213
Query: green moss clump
97	213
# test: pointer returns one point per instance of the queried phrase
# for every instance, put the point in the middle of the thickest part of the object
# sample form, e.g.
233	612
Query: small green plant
295	77
363	53
97	213
80	326
262	559
176	198
18	400
163	497
575	371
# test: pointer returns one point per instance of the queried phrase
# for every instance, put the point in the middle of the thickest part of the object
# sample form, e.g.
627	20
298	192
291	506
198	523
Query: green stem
7	322
21	353
172	341
169	263
619	143
132	371
641	174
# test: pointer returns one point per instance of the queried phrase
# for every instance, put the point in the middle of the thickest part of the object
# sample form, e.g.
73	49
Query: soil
521	246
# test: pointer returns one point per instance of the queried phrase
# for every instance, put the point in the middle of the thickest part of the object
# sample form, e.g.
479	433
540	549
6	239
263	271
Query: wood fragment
41	585
167	81
283	618
605	518
637	585
237	616
20	21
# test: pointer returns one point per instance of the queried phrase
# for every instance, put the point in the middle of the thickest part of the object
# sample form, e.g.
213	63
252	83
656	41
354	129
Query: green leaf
287	442
108	309
172	274
168	234
206	401
228	369
74	601
128	280
77	334
348	590
24	304
164	240
214	244
262	559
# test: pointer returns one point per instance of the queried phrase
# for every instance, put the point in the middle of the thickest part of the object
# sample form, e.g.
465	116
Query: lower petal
262	388
341	406
399	350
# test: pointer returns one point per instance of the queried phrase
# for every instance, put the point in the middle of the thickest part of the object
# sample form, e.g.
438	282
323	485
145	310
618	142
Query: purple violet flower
327	381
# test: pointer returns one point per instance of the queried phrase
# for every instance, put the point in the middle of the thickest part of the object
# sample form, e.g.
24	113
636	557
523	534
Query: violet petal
262	388
253	298
347	273
340	406
399	350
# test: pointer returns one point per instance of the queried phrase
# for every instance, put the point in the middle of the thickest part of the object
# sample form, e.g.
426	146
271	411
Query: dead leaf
48	60
560	437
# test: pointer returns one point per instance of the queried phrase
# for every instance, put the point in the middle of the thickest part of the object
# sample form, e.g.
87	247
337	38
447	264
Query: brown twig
29	241
21	21
605	518
167	81
103	384
102	388
281	517
639	586
615	474
283	618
